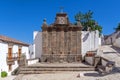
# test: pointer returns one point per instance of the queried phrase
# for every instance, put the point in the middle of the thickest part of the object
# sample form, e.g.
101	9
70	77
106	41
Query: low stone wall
100	62
89	60
32	61
104	61
90	57
106	66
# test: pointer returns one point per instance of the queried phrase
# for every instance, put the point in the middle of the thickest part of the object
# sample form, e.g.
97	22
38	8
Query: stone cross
61	9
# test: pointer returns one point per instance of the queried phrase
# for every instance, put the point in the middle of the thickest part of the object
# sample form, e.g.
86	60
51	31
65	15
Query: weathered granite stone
61	41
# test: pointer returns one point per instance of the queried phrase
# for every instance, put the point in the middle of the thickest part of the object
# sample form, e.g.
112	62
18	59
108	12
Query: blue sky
19	18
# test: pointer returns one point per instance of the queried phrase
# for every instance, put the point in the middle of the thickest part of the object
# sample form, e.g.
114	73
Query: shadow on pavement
116	70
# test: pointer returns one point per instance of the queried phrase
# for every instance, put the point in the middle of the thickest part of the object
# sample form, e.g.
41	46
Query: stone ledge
61	58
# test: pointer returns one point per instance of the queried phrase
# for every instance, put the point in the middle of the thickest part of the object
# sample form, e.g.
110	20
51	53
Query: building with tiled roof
11	40
10	52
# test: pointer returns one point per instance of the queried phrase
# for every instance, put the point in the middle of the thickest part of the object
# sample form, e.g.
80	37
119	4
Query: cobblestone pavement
109	52
8	78
90	75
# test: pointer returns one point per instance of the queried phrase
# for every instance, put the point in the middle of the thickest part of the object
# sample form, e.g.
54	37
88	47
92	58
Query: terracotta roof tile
11	40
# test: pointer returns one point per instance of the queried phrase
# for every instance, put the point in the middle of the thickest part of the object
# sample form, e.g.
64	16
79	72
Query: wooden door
19	52
10	57
10	53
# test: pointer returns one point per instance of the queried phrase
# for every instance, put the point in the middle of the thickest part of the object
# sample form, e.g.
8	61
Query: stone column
79	45
74	42
49	42
65	42
62	42
70	53
62	45
79	42
45	42
57	42
70	45
53	42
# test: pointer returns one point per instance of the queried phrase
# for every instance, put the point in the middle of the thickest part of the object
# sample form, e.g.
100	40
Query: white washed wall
37	44
90	41
25	50
15	49
31	52
3	54
33	61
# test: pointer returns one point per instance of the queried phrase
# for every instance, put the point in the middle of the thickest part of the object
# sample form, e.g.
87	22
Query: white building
113	39
110	39
117	42
11	49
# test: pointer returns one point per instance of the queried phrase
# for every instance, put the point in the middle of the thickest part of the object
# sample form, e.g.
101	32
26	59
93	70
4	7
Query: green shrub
4	74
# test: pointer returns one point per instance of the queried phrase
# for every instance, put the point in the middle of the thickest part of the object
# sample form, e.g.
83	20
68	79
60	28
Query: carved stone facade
61	41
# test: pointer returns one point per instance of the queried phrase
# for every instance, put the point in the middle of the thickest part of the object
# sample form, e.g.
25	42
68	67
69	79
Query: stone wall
61	42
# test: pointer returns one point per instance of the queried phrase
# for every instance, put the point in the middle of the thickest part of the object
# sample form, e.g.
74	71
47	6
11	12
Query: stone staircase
52	68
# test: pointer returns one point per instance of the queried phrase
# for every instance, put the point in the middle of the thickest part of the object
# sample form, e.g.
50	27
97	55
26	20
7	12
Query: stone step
43	72
58	67
49	70
54	69
39	68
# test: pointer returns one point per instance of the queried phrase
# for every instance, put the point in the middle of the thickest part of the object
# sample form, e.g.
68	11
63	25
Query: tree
118	27
87	21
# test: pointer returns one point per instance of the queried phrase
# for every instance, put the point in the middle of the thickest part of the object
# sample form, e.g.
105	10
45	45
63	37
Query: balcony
15	57
11	60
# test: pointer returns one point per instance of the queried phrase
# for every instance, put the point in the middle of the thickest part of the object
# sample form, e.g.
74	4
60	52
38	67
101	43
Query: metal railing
13	58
